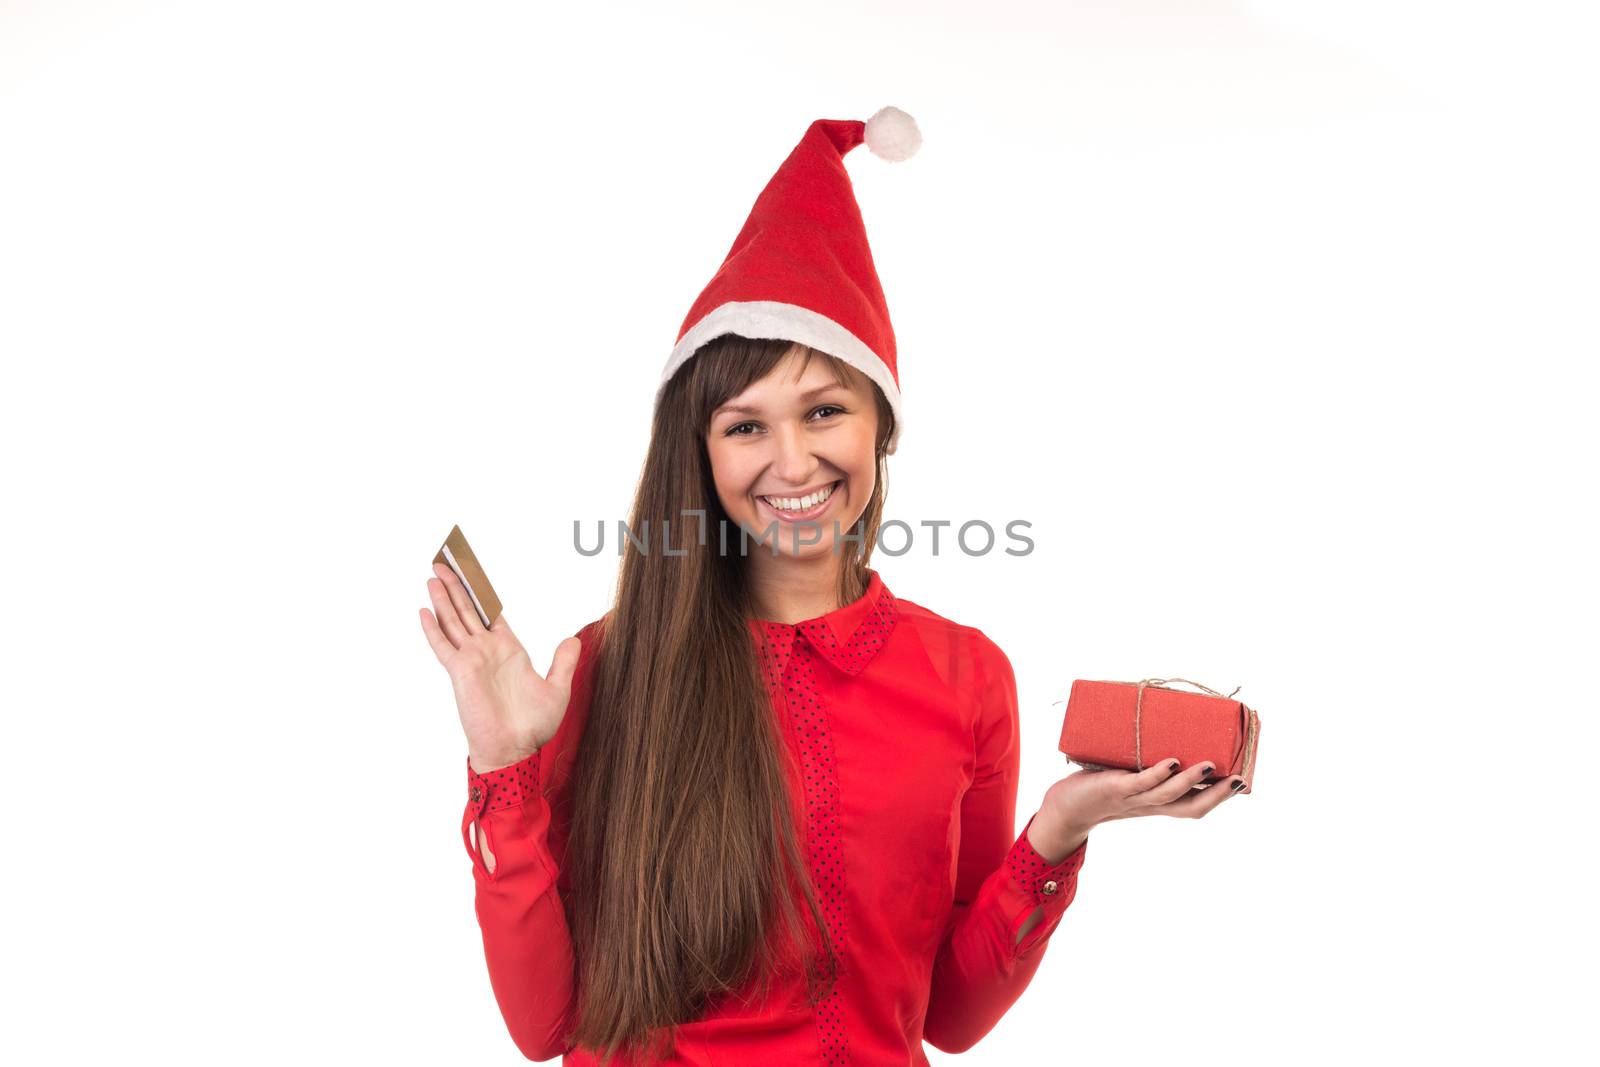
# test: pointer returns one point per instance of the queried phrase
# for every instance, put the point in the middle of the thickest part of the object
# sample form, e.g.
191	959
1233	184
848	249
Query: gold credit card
456	554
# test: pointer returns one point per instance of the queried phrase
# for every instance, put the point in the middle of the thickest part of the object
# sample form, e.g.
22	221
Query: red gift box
1130	725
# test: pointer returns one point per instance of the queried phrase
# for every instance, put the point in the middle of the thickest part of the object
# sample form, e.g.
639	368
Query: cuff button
1050	888
477	794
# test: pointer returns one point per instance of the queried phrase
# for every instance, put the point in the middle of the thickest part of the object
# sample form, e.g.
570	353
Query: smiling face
795	451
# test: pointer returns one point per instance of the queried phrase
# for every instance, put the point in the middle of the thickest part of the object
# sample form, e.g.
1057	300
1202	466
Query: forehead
794	376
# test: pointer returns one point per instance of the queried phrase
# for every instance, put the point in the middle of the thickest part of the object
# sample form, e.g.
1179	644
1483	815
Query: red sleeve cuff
503	788
1044	883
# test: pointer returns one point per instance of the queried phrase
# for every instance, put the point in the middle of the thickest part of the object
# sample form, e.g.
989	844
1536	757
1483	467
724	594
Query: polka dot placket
791	669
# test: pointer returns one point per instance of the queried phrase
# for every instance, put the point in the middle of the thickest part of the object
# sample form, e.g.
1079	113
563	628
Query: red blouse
905	728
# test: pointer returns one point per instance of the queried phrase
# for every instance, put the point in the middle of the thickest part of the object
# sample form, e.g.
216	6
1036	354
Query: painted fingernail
1172	768
1209	768
1239	784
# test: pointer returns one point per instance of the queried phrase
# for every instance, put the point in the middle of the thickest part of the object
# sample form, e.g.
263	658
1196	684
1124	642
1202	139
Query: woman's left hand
1086	798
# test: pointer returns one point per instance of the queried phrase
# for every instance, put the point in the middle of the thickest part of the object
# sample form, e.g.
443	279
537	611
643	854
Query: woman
763	810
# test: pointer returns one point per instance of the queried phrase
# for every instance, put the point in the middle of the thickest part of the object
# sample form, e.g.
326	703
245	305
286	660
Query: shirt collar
848	637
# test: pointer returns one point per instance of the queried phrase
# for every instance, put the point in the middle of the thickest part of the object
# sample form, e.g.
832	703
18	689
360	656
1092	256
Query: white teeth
800	503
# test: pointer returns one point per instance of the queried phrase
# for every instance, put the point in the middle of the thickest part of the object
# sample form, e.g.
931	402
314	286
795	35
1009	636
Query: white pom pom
893	135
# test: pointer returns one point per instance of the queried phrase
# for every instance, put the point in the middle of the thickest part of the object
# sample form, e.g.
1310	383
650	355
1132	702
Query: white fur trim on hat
891	134
776	320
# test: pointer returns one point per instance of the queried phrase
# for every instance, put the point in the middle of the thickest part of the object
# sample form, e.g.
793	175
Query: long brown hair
682	841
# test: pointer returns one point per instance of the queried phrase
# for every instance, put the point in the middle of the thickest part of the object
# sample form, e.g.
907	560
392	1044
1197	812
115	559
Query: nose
794	463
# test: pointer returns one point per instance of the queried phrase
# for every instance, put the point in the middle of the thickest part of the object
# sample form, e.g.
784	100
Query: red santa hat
800	269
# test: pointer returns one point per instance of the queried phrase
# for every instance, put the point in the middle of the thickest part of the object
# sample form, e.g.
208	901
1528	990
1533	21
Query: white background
1276	320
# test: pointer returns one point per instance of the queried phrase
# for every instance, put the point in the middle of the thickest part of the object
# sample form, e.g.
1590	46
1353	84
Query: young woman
763	810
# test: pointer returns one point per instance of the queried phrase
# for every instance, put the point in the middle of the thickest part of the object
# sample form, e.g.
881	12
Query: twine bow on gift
1160	683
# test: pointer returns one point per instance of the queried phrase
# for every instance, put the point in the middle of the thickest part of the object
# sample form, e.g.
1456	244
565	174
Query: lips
800	516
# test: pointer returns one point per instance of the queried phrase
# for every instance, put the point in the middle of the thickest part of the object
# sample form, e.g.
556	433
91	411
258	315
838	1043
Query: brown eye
732	431
829	407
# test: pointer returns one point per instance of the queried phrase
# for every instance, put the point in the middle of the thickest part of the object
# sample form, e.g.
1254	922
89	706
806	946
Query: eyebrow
809	394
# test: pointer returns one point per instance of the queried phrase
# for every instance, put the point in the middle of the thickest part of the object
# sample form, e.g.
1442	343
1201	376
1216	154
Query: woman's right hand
507	710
